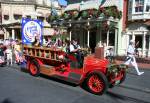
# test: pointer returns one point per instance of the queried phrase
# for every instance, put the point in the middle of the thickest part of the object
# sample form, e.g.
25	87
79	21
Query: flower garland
52	18
93	13
85	14
71	14
75	14
110	12
66	16
104	12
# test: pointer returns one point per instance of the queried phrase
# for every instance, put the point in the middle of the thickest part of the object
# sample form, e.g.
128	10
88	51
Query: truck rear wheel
97	83
34	68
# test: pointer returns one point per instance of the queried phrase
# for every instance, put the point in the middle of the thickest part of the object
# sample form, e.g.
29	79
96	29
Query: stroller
2	62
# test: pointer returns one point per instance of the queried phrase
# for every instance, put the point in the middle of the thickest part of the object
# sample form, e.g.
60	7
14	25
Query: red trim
39	61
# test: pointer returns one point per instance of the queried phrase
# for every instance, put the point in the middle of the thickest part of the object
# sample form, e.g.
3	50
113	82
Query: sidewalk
140	65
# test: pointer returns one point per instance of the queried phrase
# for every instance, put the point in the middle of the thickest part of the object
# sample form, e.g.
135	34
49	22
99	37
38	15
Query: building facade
12	11
138	26
91	31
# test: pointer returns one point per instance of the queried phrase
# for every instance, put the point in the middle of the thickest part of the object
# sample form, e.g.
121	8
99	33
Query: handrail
42	52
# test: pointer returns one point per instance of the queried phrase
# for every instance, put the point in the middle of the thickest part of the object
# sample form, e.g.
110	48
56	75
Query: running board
47	70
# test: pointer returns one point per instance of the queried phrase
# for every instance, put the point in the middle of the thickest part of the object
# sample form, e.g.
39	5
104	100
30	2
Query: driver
75	48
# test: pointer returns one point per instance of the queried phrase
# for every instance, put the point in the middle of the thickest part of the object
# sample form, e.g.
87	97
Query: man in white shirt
131	58
75	48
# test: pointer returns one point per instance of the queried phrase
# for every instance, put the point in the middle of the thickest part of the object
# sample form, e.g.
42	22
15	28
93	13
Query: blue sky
62	2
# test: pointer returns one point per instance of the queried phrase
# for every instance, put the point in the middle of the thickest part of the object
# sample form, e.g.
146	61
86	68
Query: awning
89	5
40	14
5	12
109	3
72	7
147	23
17	12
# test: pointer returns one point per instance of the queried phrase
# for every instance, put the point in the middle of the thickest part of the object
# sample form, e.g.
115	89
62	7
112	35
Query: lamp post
108	23
88	39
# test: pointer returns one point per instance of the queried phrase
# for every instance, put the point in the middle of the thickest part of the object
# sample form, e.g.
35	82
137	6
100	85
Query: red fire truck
95	75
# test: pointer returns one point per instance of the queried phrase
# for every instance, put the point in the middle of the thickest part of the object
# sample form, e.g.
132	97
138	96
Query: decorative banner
30	30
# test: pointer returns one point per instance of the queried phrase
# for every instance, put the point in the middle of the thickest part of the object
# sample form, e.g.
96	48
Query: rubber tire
103	79
121	81
123	78
37	67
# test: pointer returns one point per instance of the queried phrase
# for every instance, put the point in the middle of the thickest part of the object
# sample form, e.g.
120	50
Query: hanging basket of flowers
52	18
75	14
111	11
120	15
85	14
66	16
93	13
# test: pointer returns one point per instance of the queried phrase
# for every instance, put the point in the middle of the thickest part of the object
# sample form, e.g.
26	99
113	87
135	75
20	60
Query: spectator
18	52
58	43
110	54
36	41
49	43
2	59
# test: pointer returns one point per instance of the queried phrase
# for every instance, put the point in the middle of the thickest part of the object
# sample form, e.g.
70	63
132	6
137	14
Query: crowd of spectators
10	52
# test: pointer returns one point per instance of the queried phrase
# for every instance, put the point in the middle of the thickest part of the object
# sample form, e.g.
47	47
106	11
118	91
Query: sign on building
31	29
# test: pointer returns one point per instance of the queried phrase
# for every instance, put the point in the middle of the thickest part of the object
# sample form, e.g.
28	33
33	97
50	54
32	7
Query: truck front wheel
97	83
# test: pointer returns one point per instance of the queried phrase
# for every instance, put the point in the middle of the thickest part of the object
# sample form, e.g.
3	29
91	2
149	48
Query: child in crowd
9	55
18	52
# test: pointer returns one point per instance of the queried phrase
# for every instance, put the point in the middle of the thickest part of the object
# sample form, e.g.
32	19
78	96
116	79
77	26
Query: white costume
131	58
9	56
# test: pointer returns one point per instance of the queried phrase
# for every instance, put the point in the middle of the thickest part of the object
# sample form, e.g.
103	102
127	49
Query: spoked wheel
97	83
123	74
34	68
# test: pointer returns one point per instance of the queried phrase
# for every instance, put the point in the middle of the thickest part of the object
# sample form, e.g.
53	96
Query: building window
17	17
29	17
130	7
139	5
148	6
147	41
138	41
6	17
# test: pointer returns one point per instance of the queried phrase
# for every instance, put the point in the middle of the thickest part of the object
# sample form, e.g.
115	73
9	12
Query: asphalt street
20	87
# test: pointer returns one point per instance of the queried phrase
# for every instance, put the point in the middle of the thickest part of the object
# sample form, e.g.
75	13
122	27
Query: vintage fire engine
95	74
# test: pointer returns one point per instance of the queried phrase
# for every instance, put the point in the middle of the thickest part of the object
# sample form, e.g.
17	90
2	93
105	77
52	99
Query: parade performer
131	57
